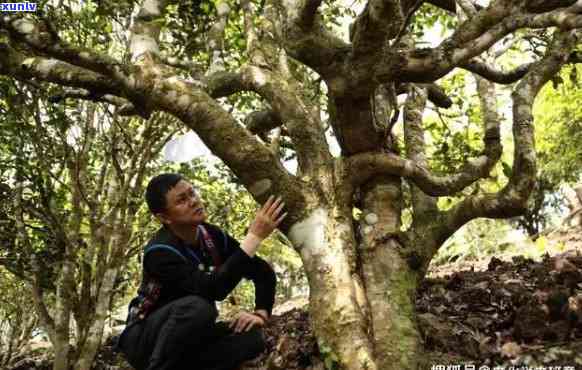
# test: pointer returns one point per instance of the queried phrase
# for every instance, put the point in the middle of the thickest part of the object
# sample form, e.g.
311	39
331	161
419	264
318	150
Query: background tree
560	153
75	176
17	321
345	211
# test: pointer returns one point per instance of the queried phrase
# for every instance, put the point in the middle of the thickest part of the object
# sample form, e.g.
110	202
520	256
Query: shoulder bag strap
210	247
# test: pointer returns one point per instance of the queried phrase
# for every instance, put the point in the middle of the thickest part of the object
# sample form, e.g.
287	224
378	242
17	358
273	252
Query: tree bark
62	318
337	305
574	198
390	281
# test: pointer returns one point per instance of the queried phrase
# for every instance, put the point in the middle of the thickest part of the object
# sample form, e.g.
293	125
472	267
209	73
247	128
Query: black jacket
179	277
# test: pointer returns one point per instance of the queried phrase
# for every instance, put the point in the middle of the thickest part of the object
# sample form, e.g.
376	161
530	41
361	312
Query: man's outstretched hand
266	220
268	217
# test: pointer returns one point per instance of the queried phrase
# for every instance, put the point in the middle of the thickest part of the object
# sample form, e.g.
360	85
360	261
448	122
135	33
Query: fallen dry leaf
510	350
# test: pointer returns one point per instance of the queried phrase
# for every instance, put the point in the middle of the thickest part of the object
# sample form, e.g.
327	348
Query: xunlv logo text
18	7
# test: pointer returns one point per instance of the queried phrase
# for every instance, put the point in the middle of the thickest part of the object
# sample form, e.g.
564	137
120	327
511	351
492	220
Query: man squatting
187	266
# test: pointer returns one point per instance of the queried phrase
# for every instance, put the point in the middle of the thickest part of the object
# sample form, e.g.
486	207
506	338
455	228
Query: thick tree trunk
389	280
360	323
337	303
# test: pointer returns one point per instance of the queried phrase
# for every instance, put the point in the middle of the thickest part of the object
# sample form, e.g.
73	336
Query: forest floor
503	312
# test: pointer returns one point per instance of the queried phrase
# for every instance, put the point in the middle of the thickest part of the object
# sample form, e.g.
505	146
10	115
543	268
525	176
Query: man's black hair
157	189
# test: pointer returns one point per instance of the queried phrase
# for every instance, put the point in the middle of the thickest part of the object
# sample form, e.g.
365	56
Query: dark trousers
184	335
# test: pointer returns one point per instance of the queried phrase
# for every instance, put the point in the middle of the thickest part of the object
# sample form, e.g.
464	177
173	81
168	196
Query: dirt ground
504	312
497	313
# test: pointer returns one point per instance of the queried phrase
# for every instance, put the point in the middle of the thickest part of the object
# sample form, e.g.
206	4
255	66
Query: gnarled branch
261	122
125	108
542	6
216	37
23	68
468	7
512	199
306	40
370	32
304	128
223	83
449	5
474	37
259	169
435	94
307	13
486	71
31	33
422	204
196	70
145	31
366	165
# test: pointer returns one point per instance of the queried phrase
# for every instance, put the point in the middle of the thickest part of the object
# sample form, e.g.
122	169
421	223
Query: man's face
183	206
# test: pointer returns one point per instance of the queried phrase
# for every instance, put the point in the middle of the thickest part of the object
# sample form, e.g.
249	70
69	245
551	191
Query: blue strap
224	238
170	248
192	254
163	246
